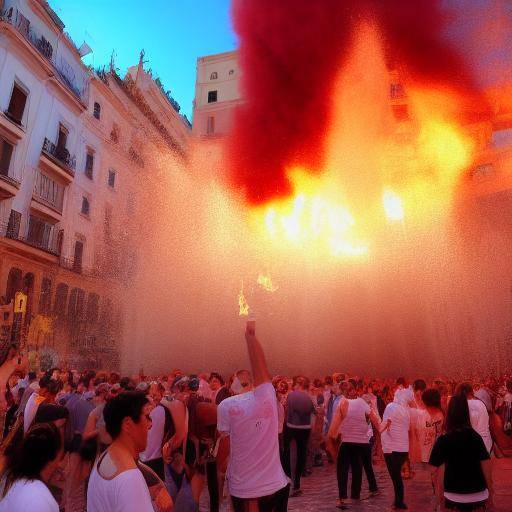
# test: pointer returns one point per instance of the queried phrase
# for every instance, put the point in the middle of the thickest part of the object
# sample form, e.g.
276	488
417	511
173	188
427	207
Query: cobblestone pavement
320	491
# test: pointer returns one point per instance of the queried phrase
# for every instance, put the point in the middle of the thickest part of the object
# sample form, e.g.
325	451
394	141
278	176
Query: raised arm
256	356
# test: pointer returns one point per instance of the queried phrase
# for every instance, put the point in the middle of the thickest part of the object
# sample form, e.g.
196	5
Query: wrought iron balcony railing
59	153
64	72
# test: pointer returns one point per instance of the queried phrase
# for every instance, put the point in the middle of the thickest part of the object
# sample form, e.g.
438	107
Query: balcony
47	197
77	267
63	72
59	160
40	235
9	183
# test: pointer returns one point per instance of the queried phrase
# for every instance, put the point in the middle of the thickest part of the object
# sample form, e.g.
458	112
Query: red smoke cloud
291	52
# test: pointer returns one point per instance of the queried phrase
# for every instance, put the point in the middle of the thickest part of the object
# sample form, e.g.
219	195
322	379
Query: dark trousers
277	502
157	465
213	485
350	457
368	468
301	436
394	462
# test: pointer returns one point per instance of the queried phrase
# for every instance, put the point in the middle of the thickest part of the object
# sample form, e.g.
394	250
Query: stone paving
320	491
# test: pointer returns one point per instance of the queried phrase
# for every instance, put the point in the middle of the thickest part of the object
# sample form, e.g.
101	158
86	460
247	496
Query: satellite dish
84	50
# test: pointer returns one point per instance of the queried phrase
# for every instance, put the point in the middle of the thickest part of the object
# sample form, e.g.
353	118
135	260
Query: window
14	283
86	207
13	227
212	96
210	125
114	134
231	72
60	241
97	110
62	140
78	255
17	104
45	296
92	308
76	305
111	178
89	163
213	76
6	149
61	300
39	233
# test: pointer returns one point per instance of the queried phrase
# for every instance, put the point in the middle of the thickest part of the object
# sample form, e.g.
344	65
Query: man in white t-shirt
117	483
251	421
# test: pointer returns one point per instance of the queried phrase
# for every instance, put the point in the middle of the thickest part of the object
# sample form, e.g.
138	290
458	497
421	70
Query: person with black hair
24	483
48	390
117	482
477	413
219	390
466	483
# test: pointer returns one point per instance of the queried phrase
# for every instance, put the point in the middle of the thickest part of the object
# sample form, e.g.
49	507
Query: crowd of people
99	442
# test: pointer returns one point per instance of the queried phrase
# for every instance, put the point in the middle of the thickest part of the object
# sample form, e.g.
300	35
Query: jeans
350	456
368	468
394	463
277	502
301	436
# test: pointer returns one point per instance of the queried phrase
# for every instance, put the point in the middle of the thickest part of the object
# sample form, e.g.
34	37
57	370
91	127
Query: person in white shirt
24	484
117	483
396	423
477	412
152	455
251	422
351	420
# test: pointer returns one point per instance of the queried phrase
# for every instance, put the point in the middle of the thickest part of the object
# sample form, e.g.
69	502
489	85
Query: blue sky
173	34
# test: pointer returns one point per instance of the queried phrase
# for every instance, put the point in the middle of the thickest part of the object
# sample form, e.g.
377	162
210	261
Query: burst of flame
377	167
266	283
392	205
311	216
242	303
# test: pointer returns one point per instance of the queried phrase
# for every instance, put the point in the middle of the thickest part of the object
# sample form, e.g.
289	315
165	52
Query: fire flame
387	159
242	303
266	283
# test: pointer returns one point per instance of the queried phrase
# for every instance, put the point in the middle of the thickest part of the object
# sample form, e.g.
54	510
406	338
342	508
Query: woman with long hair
24	483
465	484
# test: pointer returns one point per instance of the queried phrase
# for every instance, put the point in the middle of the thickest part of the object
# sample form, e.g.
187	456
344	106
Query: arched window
61	300
213	76
76	305
92	308
28	290
14	283
97	110
45	296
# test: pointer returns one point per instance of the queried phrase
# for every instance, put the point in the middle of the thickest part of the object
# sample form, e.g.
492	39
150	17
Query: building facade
217	94
77	149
